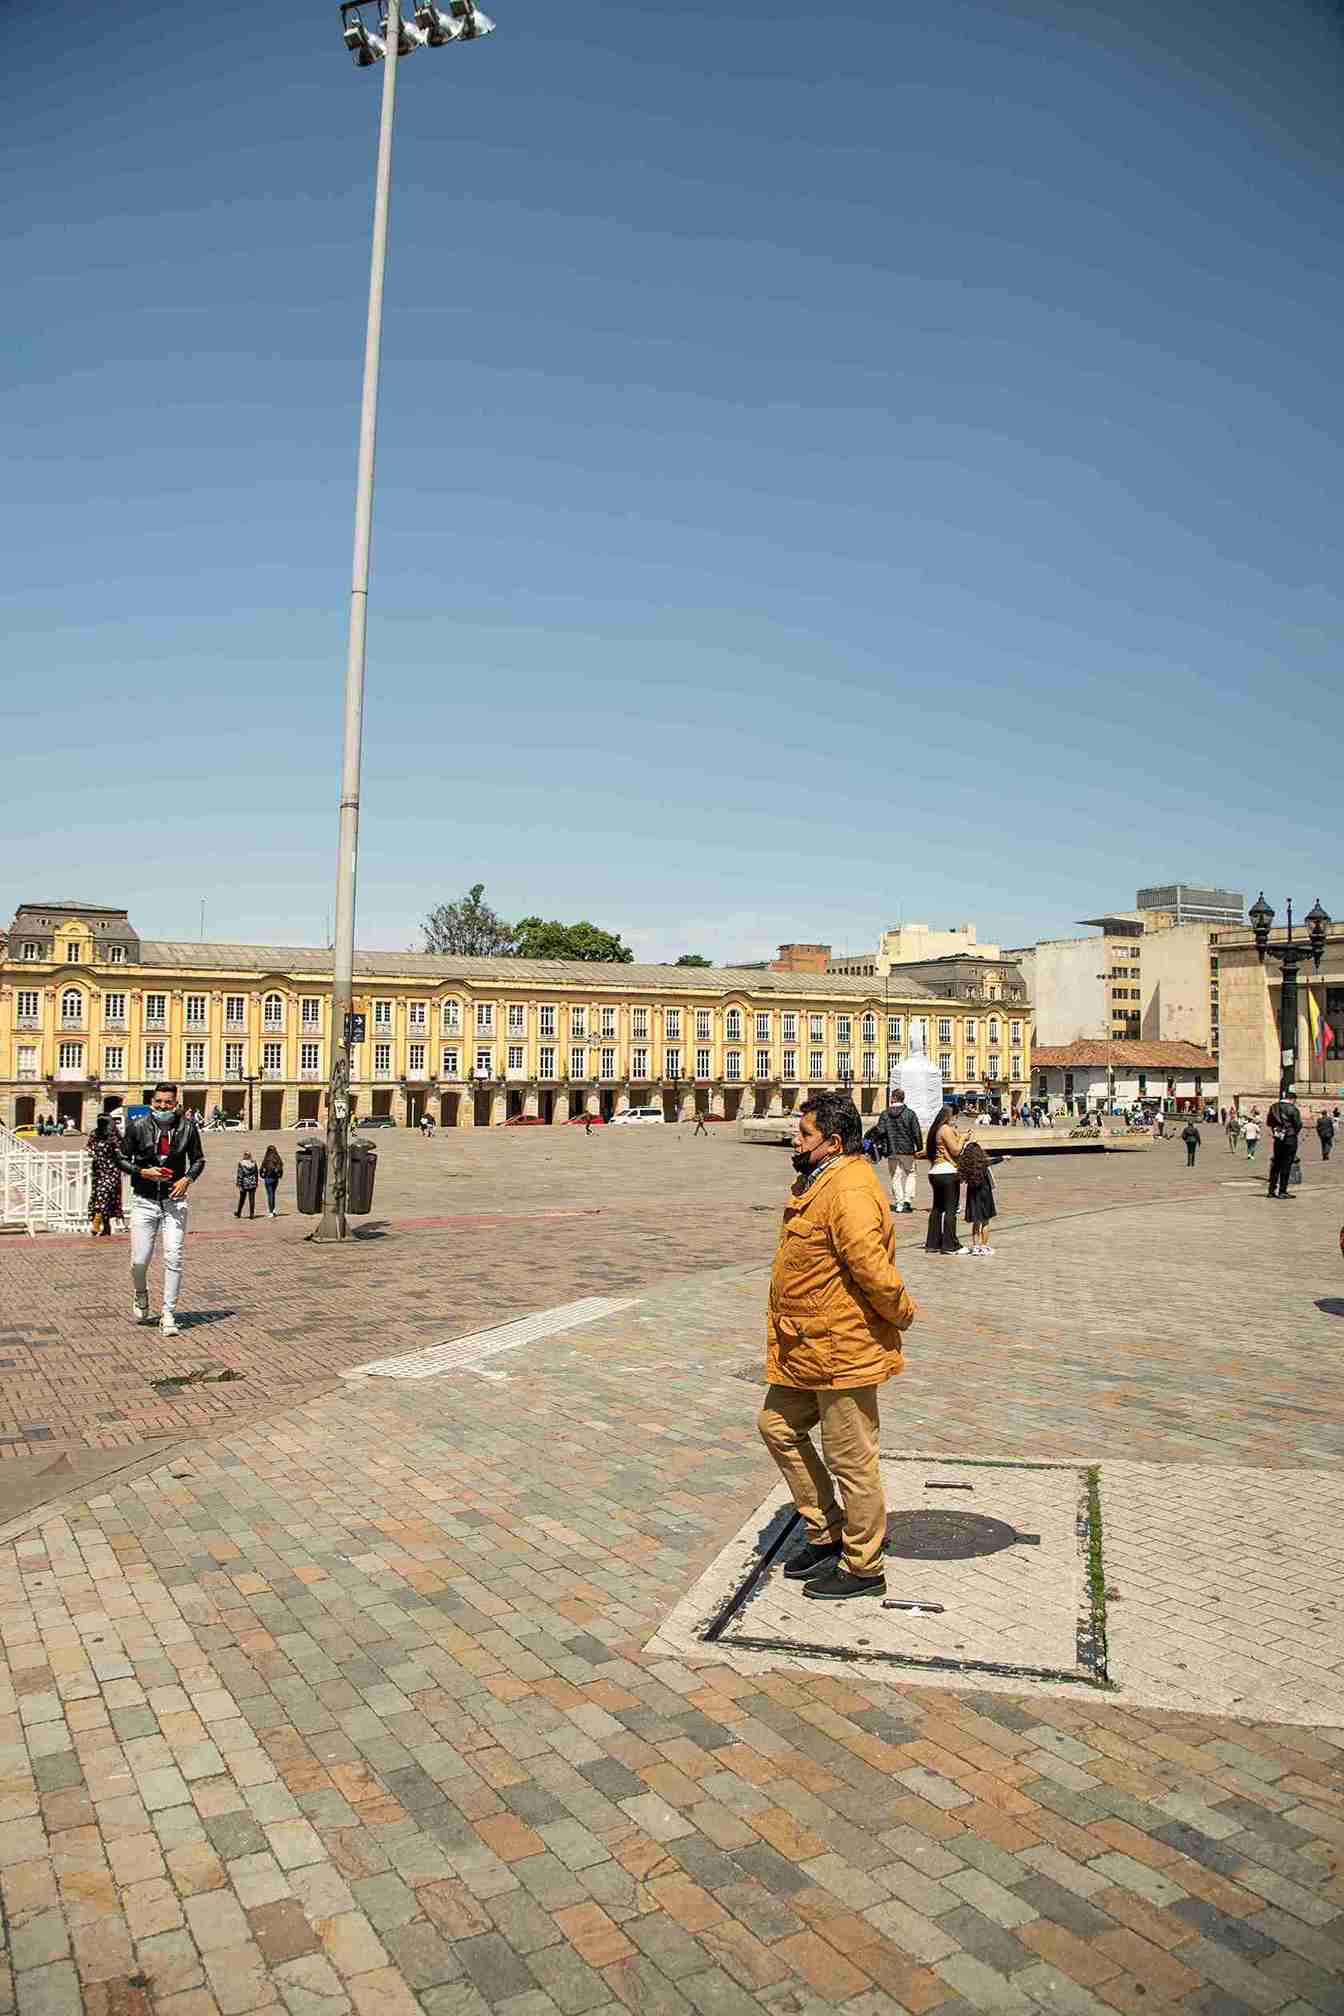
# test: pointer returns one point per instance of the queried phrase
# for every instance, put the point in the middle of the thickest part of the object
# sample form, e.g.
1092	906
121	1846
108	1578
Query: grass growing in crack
1096	1573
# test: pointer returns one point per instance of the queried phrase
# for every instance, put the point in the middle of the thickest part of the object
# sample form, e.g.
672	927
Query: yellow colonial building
91	1014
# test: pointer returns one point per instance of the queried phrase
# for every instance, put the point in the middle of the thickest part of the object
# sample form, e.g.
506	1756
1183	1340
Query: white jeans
148	1215
902	1171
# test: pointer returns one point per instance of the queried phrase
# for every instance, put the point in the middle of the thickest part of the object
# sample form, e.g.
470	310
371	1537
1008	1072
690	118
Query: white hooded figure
920	1080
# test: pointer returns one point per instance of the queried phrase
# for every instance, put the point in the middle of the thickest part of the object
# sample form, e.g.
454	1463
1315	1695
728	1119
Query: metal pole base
334	1234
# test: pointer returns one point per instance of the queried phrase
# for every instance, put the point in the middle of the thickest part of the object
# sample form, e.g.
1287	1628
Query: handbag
1295	1173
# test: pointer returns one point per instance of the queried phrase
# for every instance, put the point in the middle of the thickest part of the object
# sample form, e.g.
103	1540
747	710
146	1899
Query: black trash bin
310	1176
361	1163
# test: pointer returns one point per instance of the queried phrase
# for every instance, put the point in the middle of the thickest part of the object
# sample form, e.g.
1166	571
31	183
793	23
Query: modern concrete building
1175	903
912	945
1250	999
90	1013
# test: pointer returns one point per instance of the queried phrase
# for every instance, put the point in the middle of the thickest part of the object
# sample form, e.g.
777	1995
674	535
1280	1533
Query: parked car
307	1126
25	1133
584	1119
640	1116
376	1120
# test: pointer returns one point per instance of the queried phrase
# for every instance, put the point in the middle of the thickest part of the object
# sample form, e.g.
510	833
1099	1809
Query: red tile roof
1142	1056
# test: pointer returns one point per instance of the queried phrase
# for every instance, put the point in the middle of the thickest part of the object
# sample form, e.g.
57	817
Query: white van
639	1116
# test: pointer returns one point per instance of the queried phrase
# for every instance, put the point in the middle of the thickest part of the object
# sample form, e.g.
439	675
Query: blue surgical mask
164	1116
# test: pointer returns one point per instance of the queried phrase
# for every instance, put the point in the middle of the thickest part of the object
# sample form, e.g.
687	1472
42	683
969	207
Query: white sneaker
967	1252
168	1325
987	1251
140	1313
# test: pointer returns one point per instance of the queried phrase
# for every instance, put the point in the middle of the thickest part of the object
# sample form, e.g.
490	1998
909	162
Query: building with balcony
475	1042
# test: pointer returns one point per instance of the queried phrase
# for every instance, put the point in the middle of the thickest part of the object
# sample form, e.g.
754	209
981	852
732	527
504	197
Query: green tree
469	927
539	939
692	959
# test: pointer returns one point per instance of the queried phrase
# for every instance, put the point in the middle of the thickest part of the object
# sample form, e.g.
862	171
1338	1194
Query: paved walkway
353	1704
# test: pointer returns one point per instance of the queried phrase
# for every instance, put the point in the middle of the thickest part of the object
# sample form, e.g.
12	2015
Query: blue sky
836	464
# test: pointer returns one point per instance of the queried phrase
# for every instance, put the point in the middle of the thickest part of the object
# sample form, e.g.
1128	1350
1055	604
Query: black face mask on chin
802	1161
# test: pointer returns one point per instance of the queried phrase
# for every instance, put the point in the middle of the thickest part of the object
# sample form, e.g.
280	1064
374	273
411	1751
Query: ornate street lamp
1290	956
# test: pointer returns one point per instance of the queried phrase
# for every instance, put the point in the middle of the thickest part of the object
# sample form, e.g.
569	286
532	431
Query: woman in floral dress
105	1188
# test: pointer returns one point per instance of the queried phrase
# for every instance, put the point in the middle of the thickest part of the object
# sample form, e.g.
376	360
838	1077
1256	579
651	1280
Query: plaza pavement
340	1693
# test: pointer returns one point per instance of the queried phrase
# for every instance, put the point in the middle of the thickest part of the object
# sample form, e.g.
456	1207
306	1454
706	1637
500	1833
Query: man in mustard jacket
833	1333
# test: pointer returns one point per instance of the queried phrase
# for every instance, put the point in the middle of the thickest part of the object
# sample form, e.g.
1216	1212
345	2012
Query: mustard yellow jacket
837	1302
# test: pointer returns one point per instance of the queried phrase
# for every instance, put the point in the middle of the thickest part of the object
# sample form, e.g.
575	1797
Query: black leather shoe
808	1560
837	1587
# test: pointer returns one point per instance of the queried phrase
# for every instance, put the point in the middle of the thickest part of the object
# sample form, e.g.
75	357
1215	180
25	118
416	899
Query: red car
585	1120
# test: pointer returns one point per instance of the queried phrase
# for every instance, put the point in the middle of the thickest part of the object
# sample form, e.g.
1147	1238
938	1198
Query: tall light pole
1109	1032
1290	955
460	21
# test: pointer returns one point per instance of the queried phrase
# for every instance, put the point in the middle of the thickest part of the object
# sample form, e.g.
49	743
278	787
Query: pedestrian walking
1191	1136
272	1169
943	1145
1325	1134
980	1200
1284	1120
427	1126
900	1139
700	1127
161	1153
837	1311
105	1180
1251	1132
587	1124
246	1184
1233	1129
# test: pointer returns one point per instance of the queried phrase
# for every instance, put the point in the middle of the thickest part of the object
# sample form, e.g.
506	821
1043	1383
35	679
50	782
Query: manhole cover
946	1536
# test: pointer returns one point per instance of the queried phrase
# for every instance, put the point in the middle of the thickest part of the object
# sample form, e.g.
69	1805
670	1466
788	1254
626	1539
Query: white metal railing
40	1190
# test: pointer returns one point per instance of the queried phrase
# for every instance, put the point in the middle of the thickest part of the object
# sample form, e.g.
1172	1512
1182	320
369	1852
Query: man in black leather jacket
161	1153
1284	1121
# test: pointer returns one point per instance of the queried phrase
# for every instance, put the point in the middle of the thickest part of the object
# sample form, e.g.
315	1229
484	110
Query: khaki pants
849	1433
901	1169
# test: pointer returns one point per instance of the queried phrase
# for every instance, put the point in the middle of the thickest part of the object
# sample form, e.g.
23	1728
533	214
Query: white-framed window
672	1026
790	1027
154	1060
273	1011
993	1028
546	1020
672	1064
893	1028
816	1063
870	1028
993	1064
704	1024
515	1059
1017	1065
608	1021
870	1063
417	1015
790	1066
763	1028
485	1061
517	1018
485	1017
310	1011
732	1064
578	1061
415	1060
452	1018
72	1005
114	1060
272	1057
944	1029
382	1060
970	1064
639	1064
732	1027
235	1011
546	1060
816	1028
762	1063
73	953
26	1004
702	1063
843	1025
195	1056
609	1063
970	1029
195	1011
844	1063
450	1063
382	1015
945	1063
578	1024
30	950
639	1024
114	1008
27	1060
310	1057
70	1056
1016	1027
116	955
233	1060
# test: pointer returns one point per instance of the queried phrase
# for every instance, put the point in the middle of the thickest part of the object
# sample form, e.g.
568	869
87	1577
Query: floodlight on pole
393	39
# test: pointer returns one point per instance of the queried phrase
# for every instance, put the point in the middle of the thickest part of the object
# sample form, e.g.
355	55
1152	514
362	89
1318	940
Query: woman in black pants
943	1145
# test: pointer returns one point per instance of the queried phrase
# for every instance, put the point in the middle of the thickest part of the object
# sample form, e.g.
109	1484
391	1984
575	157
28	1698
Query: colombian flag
1322	1035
